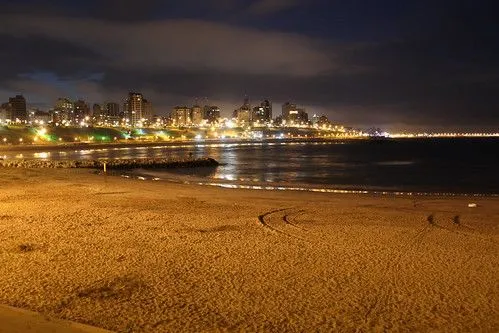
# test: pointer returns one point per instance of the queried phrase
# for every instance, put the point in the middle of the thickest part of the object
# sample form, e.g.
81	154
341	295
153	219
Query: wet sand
144	256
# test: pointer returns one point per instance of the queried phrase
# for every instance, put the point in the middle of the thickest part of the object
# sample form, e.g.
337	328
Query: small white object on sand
472	205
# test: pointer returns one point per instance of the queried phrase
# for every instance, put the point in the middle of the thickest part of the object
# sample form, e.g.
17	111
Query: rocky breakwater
112	164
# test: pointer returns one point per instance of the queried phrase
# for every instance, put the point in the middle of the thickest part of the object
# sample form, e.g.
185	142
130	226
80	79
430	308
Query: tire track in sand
280	223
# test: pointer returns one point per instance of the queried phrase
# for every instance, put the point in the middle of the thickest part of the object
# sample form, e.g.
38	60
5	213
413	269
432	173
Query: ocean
427	166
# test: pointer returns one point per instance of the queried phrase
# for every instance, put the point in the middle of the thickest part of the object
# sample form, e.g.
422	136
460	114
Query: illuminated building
147	110
134	108
180	116
263	113
196	115
112	112
320	120
18	110
63	110
5	112
293	115
243	114
211	114
81	110
137	109
40	117
112	109
98	113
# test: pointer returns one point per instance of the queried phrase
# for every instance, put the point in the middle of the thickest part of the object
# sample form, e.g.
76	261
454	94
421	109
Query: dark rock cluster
111	164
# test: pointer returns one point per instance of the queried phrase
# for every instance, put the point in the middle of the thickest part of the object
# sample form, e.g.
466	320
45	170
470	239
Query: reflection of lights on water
42	155
19	156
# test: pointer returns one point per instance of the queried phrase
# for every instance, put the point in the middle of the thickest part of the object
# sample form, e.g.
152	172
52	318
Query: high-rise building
211	114
196	115
147	110
137	109
243	114
293	115
320	120
81	110
40	117
286	109
19	112
262	114
98	111
112	110
181	116
63	110
134	108
5	112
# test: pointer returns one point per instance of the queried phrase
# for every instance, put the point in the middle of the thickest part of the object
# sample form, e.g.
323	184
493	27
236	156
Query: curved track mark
265	218
261	218
287	219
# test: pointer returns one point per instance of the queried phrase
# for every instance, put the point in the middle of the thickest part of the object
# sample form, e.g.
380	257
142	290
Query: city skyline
361	64
137	111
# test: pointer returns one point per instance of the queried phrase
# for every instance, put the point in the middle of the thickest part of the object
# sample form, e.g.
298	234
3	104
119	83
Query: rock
112	164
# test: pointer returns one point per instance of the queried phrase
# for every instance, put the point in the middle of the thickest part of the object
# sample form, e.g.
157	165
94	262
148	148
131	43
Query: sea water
443	165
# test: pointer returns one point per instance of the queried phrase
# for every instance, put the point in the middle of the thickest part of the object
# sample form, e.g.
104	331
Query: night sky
399	65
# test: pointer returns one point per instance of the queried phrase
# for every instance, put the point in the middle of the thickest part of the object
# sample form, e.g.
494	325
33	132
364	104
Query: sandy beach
142	256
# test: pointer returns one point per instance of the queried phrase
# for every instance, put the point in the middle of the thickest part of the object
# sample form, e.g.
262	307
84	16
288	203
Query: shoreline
150	175
124	254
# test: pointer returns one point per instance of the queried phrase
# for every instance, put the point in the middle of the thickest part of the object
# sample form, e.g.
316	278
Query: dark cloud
265	7
187	44
129	11
31	53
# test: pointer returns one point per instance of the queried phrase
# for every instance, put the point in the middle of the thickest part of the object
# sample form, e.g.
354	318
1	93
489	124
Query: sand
143	256
14	320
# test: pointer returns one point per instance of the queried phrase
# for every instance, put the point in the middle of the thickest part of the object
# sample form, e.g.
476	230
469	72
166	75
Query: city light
189	123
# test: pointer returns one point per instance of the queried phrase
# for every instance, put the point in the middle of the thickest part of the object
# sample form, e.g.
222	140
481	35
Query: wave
395	163
175	177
